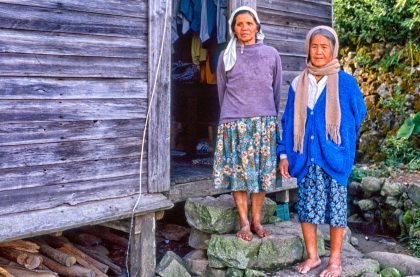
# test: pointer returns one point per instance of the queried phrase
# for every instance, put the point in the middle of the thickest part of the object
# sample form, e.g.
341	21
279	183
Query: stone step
283	247
219	215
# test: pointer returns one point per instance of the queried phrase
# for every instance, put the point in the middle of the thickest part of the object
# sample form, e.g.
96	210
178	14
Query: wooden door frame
159	119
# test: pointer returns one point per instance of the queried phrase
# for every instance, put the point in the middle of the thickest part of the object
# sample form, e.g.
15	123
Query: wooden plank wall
285	24
73	97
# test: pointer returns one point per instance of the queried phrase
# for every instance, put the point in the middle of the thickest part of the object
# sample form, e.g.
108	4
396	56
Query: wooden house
76	84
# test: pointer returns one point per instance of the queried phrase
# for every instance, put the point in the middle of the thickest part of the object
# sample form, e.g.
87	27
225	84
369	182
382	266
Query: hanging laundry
208	19
221	20
198	53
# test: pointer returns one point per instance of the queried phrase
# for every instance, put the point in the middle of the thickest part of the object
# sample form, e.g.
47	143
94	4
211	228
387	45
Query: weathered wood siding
73	99
285	24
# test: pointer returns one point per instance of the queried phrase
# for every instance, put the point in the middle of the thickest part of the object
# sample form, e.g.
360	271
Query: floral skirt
245	156
322	199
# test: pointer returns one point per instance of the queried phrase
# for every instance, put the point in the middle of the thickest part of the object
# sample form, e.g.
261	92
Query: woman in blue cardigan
320	124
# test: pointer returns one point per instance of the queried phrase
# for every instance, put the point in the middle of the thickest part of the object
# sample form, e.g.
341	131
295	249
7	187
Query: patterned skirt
245	156
322	199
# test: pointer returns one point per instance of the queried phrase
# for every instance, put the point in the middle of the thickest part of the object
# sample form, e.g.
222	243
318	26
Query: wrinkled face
320	52
245	28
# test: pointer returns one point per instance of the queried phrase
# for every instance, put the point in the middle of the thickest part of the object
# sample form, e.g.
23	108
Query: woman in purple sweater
249	81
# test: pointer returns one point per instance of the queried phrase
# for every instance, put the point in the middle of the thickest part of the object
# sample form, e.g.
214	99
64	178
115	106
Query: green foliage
368	21
358	173
410	127
380	47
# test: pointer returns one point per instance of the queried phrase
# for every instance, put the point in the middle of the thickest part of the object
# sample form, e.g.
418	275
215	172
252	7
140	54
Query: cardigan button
312	137
312	113
312	159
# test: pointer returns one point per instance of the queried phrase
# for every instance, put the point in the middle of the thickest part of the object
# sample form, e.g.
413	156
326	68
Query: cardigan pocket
335	156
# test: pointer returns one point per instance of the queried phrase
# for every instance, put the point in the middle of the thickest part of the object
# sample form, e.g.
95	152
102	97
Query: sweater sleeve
221	79
358	106
277	82
287	115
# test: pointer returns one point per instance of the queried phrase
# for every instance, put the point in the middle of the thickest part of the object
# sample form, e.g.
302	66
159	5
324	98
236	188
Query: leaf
416	121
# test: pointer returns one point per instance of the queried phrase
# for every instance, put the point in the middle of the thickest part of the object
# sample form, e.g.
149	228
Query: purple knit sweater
252	87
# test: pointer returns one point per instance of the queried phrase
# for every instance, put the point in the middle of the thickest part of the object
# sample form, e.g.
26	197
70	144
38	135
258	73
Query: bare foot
307	265
259	230
245	233
332	270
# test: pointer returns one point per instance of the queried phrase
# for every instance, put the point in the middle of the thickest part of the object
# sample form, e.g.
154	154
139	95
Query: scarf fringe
334	132
298	143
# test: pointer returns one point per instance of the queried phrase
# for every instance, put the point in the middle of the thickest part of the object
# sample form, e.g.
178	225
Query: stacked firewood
74	254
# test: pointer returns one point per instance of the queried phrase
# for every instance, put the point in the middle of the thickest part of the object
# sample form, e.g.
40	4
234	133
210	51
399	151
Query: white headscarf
229	57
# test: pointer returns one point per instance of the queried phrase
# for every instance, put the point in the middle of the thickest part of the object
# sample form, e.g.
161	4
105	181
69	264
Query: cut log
57	255
72	271
22	272
5	273
101	258
21	245
64	245
28	260
85	260
83	239
105	234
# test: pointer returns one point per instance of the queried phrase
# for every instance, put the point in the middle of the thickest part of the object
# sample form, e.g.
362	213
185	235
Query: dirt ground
379	243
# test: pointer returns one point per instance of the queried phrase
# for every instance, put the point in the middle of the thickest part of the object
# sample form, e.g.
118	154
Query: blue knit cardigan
336	160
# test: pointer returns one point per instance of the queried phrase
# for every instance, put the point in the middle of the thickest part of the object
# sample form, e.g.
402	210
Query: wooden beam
160	105
34	223
143	246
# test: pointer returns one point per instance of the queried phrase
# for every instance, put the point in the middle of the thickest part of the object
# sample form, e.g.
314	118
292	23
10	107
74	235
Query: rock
234	272
230	251
369	216
219	215
390	188
354	241
196	261
355	188
284	247
254	273
325	229
393	202
406	265
408	204
348	251
390	272
351	267
171	265
216	272
367	204
369	143
174	232
198	239
413	193
371	184
369	274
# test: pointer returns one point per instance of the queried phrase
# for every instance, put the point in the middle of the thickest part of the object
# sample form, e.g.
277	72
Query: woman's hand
284	168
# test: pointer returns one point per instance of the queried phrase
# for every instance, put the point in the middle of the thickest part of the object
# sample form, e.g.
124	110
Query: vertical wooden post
237	3
159	121
142	254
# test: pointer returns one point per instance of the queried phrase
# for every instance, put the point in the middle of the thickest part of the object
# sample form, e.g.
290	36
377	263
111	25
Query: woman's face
320	51
245	28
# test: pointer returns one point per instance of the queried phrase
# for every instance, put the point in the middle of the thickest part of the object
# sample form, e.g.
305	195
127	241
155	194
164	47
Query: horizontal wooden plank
305	8
286	19
287	47
289	63
46	197
16	226
46	175
133	8
72	151
70	110
273	32
63	21
35	42
203	188
61	131
53	88
26	65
